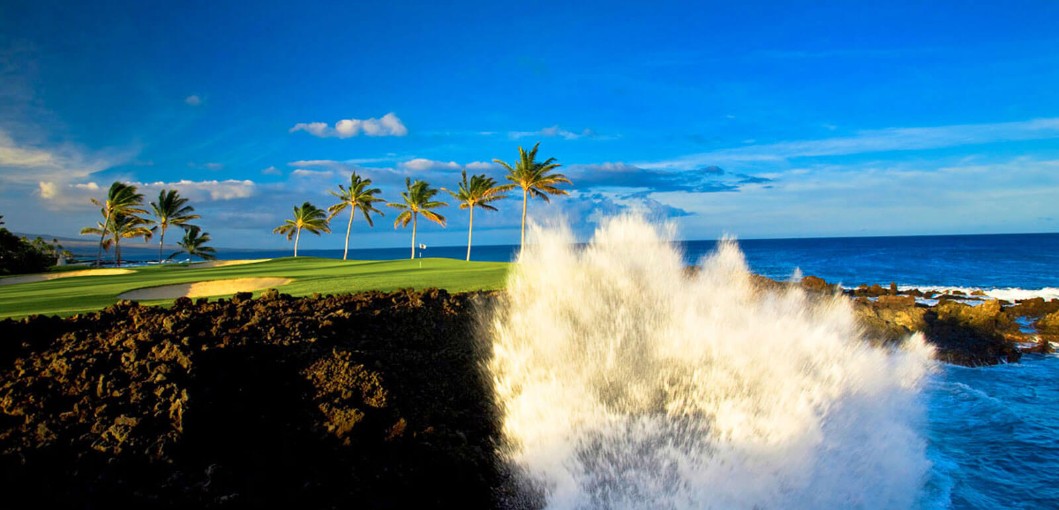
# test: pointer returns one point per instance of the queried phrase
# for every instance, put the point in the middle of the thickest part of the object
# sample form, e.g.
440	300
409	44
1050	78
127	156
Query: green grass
70	295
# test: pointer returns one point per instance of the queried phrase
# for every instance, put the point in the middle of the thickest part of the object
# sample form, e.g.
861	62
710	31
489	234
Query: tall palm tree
122	199
357	196
534	178
418	199
120	226
194	244
171	209
478	192
306	217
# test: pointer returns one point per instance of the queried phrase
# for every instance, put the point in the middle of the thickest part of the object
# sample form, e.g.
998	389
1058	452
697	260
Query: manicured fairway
67	296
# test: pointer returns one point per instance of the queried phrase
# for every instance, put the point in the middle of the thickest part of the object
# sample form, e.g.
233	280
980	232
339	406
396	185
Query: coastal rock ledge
373	400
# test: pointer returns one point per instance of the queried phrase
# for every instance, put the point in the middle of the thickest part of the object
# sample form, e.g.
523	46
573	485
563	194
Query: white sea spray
628	382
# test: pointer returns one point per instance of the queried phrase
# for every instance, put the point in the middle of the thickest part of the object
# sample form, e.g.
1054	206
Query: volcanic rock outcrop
371	401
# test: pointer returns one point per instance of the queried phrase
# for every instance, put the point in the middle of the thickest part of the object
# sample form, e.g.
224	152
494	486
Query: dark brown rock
369	400
1034	307
874	290
817	284
890	319
972	335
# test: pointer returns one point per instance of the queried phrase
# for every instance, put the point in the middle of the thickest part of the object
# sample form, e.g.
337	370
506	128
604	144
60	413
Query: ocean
1020	263
991	434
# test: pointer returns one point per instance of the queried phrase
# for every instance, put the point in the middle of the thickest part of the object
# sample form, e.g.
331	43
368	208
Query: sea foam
627	382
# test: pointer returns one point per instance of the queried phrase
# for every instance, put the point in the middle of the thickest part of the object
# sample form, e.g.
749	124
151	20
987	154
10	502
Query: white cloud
302	172
478	166
423	165
314	128
329	163
48	190
213	190
271	170
388	125
193	100
551	132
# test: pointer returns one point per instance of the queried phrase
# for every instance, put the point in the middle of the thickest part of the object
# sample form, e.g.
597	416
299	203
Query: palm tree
307	217
121	226
194	244
358	196
534	179
122	199
417	200
171	209
477	192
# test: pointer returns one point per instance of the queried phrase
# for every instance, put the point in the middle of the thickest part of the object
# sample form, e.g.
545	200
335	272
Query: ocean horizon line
735	238
85	242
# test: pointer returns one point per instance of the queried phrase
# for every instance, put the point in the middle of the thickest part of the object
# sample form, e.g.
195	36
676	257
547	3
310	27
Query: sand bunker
222	263
202	289
30	278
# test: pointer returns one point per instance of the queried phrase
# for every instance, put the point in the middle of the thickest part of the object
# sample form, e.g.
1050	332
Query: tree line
536	179
19	255
125	217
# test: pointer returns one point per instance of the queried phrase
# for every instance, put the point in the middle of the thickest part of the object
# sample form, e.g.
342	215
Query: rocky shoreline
374	400
965	329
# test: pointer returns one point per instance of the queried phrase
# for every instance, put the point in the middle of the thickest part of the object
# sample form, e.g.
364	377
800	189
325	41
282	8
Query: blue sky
755	119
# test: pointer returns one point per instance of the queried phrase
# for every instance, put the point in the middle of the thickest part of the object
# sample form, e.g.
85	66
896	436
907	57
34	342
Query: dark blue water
1026	261
993	436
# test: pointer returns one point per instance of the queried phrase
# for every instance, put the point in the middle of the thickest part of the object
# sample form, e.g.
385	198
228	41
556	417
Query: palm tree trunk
525	197
348	228
413	236
117	249
161	240
297	236
102	235
470	227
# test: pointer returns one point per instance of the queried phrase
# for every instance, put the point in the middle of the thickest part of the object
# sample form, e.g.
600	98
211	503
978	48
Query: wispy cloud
193	100
423	165
884	198
25	164
210	165
302	172
482	166
344	164
388	125
552	132
874	141
429	165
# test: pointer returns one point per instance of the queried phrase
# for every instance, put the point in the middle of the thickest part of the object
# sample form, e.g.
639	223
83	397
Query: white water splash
628	383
